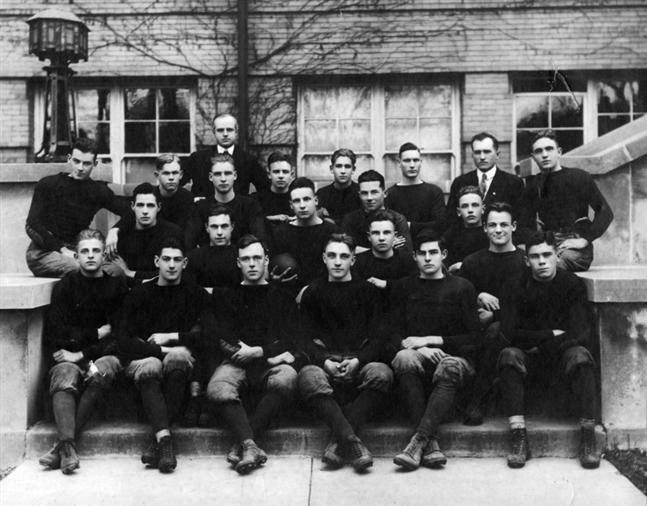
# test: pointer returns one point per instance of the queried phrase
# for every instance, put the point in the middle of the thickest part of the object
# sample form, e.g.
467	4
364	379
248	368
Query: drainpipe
243	86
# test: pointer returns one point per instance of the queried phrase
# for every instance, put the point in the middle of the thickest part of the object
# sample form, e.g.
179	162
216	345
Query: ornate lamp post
61	37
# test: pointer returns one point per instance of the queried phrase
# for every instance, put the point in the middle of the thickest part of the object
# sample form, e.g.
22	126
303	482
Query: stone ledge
33	172
616	284
24	291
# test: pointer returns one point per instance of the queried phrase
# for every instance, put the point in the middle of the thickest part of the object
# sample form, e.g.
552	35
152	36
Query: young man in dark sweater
78	334
490	270
383	264
558	200
465	236
246	211
305	237
343	341
547	321
434	327
176	203
61	207
257	331
215	265
341	196
162	328
138	246
372	195
423	204
275	200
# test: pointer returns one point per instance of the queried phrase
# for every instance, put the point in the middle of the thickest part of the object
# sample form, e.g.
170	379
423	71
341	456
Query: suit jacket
197	167
505	187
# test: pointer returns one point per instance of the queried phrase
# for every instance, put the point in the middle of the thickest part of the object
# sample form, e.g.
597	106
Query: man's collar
490	173
221	149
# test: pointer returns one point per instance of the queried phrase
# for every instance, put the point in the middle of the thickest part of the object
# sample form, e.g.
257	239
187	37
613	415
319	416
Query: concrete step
548	438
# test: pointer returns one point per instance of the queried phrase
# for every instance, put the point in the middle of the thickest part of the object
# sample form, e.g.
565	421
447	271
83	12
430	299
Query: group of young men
336	298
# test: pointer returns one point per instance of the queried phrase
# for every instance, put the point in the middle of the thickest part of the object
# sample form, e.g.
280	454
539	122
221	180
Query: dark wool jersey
62	206
441	307
533	309
306	245
150	308
139	247
562	198
462	241
399	266
423	205
176	209
274	203
211	266
344	317
247	217
263	315
339	202
80	305
490	272
356	225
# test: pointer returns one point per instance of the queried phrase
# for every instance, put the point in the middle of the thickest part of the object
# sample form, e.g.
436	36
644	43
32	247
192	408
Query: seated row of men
340	344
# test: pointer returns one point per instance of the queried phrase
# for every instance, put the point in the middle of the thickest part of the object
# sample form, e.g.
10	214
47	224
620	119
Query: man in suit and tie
494	184
197	167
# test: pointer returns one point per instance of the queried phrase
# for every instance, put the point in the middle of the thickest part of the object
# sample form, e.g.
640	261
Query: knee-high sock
268	408
363	408
440	402
512	391
412	392
64	406
88	401
174	392
236	419
154	404
583	391
328	409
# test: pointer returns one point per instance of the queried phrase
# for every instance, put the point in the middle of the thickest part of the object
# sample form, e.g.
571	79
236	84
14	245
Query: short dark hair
369	176
85	145
219	209
408	146
87	234
170	242
301	182
466	190
277	156
499	207
145	189
248	240
343	152
481	136
342	238
165	158
225	115
222	158
428	235
547	133
540	237
381	215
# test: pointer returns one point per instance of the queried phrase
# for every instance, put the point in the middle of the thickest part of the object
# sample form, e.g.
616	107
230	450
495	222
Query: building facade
363	74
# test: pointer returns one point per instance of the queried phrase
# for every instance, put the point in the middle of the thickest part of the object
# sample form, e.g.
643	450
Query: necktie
483	185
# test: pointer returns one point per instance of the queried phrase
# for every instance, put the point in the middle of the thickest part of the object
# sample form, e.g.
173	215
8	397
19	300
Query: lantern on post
61	37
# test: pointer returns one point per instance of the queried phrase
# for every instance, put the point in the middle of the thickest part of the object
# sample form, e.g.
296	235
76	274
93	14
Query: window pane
570	139
363	163
140	169
608	123
319	103
566	112
140	137
175	137
320	135
99	133
139	103
317	167
524	140
92	105
174	103
640	96
399	131
354	103
614	96
401	102
436	101
435	134
355	134
532	111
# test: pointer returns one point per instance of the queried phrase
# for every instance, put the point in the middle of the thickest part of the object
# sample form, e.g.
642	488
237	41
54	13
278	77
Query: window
93	116
374	120
619	102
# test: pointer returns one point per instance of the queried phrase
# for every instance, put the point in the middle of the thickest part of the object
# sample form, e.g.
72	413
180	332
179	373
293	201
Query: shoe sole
332	462
362	465
590	465
50	465
436	463
246	468
233	461
405	463
167	469
150	462
70	469
519	465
